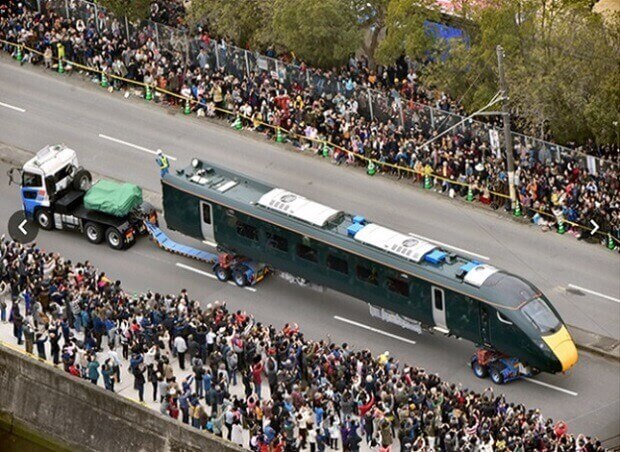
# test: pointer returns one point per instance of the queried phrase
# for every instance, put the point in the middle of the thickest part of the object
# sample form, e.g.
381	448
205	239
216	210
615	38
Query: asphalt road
52	108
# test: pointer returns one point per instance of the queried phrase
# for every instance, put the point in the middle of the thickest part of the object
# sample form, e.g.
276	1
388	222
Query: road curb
595	343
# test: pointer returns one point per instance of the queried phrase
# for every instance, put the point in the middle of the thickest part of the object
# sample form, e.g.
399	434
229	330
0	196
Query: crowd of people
264	388
563	186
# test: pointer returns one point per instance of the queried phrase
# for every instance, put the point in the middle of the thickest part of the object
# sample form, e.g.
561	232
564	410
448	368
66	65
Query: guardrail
352	155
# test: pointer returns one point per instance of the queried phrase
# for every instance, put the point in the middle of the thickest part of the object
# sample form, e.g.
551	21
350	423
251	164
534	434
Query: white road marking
547	385
598	294
251	289
209	275
195	270
131	145
374	330
12	107
21	227
479	256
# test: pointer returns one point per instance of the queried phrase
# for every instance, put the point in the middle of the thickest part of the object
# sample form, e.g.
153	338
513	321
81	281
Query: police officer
162	161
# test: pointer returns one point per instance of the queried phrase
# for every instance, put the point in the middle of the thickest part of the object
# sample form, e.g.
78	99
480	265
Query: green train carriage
404	278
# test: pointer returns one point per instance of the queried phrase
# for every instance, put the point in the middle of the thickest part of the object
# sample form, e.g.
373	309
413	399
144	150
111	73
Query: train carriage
404	277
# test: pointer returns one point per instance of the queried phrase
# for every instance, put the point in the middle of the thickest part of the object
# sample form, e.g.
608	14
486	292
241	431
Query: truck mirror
15	173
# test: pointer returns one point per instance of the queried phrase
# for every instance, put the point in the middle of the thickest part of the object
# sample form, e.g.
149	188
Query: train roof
353	233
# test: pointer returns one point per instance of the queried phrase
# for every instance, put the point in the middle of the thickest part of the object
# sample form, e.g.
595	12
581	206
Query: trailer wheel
44	219
479	370
82	180
114	239
496	375
221	273
93	232
239	277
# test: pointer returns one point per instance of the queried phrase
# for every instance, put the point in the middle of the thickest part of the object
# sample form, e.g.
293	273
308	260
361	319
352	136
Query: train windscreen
541	316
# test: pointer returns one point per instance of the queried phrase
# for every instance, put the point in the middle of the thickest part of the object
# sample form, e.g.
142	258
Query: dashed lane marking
550	386
131	145
12	107
591	292
374	330
479	256
195	270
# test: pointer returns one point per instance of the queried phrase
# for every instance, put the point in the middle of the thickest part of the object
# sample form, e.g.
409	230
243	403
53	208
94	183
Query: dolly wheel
480	370
221	273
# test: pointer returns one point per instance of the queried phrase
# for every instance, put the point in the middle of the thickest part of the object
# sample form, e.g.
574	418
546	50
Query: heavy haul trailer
53	190
404	280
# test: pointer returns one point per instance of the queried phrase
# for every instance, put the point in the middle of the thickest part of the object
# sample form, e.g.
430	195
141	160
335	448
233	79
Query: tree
246	22
132	9
561	66
405	30
371	16
323	33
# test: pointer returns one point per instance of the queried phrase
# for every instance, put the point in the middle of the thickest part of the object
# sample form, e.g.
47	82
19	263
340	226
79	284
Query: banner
494	141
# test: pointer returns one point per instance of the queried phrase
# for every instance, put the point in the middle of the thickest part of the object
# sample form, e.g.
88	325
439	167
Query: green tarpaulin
113	198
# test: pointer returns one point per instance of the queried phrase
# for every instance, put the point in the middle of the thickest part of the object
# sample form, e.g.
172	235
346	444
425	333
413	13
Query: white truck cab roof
51	159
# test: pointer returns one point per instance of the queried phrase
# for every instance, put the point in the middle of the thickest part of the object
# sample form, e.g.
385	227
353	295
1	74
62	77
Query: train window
398	286
337	264
438	298
307	253
541	316
277	242
206	213
366	274
247	231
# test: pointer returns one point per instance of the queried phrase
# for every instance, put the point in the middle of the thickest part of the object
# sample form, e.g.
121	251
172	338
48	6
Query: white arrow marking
21	227
596	226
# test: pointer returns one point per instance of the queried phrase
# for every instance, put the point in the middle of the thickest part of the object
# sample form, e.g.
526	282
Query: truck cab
55	190
46	177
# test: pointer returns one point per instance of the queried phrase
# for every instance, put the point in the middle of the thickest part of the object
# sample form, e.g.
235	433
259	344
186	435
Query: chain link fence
373	104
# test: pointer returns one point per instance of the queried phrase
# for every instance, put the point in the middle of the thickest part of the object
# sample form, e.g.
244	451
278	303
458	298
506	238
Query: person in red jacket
257	378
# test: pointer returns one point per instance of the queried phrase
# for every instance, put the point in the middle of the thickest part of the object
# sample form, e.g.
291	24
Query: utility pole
510	159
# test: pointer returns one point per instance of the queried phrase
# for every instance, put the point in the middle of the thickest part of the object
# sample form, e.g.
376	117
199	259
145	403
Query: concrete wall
38	400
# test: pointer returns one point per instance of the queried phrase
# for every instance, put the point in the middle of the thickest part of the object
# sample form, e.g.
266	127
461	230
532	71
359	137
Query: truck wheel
497	376
44	219
93	232
221	273
239	277
114	239
479	370
82	180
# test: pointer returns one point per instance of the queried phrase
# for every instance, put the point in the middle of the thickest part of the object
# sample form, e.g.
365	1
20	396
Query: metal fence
373	104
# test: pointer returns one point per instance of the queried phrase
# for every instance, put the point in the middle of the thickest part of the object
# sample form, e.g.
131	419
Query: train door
485	333
439	308
206	221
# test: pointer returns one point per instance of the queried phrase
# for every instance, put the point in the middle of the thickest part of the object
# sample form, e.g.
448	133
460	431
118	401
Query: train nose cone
563	347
